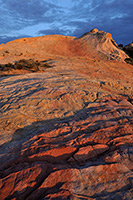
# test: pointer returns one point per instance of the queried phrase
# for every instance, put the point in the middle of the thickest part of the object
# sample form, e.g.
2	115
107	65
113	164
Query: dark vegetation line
30	65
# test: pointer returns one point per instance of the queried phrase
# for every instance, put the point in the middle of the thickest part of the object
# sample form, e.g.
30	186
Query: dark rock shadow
26	137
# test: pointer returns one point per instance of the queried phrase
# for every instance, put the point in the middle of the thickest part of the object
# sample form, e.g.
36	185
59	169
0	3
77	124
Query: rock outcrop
103	43
129	49
66	132
94	44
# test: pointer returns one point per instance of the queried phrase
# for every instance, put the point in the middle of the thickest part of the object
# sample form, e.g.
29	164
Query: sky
31	18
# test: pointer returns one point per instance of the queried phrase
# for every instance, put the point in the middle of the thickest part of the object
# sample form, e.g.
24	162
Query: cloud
5	39
64	30
71	17
23	13
31	10
112	16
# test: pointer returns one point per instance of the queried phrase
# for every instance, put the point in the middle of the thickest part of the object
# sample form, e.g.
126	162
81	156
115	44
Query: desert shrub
23	64
1	66
6	67
29	65
120	45
129	61
9	65
19	66
6	51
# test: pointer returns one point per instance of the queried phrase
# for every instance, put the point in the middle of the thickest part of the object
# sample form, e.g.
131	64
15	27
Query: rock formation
103	43
66	131
96	44
129	49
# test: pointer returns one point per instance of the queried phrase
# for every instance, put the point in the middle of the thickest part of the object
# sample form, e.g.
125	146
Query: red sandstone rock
54	155
66	133
22	181
89	152
88	182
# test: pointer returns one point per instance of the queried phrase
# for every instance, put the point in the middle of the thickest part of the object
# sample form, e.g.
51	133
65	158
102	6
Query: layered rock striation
66	131
96	44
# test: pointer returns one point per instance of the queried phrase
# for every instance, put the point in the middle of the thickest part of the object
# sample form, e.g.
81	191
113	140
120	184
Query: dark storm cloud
19	14
112	16
33	10
69	17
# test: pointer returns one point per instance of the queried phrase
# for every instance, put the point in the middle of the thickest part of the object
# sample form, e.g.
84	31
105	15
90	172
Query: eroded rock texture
66	133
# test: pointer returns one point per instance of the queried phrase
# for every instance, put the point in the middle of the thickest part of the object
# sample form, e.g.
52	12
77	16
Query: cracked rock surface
66	133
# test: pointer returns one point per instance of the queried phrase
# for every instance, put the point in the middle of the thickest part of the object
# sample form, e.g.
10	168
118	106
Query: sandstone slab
54	155
66	133
89	152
